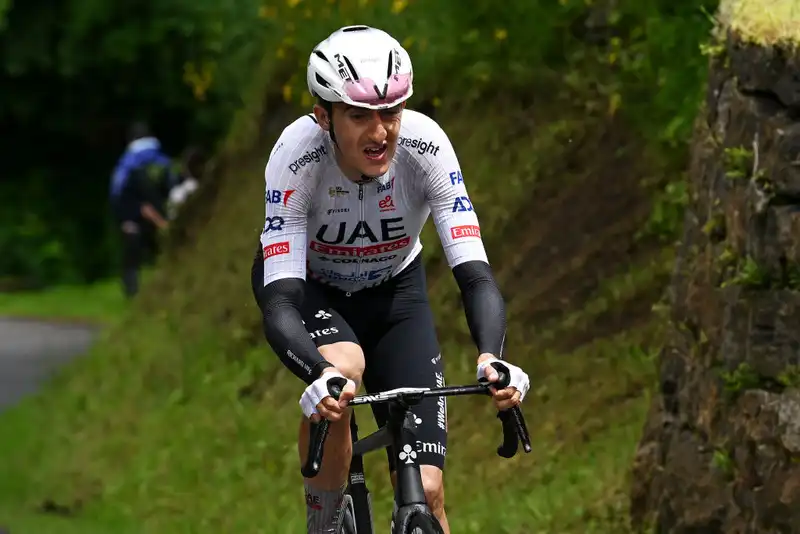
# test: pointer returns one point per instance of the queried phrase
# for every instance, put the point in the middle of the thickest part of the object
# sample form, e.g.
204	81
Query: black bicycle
413	515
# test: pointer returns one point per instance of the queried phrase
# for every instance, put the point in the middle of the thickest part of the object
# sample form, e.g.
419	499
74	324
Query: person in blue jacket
139	187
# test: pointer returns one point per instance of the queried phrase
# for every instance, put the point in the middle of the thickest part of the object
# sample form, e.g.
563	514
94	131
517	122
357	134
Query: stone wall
720	452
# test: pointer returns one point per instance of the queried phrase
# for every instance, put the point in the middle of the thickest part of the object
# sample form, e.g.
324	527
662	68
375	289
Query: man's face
367	138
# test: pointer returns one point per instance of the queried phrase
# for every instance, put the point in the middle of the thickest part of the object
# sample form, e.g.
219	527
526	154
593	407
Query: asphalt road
31	350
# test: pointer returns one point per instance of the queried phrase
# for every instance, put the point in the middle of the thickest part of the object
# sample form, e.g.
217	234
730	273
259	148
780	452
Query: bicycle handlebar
513	422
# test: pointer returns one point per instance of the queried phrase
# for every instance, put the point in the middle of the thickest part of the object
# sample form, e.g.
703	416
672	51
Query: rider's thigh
347	357
407	355
331	333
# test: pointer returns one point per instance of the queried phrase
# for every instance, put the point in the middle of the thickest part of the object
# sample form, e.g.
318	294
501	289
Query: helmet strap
331	130
328	106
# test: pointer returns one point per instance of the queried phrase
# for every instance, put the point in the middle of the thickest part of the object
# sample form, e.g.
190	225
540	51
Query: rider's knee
347	357
433	485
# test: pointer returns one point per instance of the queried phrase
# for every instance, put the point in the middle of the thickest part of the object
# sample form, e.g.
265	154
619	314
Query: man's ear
323	119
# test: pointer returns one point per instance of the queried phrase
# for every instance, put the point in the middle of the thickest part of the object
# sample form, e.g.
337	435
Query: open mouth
376	152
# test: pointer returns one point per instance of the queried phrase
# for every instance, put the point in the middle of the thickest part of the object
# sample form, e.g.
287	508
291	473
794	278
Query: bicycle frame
400	433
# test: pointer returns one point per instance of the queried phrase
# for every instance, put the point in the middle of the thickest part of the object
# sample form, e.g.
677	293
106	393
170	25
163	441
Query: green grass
33	523
182	453
102	302
765	22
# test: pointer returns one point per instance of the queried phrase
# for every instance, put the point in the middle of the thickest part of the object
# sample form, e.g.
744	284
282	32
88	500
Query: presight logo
311	156
420	145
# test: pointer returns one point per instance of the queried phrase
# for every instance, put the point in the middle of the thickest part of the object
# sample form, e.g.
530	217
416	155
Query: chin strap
331	130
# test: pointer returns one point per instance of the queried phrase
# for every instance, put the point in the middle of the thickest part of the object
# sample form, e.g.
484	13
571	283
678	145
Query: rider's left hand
512	395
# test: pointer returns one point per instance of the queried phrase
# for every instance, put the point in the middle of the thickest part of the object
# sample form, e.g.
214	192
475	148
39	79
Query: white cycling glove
517	377
318	390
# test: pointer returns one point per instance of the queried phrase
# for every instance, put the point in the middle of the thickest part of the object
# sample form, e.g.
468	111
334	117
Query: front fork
357	487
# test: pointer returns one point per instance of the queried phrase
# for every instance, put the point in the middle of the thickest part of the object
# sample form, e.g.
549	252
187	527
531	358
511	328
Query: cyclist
338	273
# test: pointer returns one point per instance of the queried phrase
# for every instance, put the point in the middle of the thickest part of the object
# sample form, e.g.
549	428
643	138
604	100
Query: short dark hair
327	106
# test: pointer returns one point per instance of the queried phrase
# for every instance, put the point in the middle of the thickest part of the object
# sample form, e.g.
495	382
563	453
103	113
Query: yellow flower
436	101
307	13
293	3
267	12
398	6
407	42
305	99
500	34
287	93
280	53
199	79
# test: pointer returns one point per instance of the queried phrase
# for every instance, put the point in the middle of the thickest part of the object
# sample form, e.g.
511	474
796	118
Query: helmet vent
355	29
320	55
322	81
389	67
350	66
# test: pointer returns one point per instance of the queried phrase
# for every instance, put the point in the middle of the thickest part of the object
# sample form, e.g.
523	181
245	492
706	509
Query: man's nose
377	131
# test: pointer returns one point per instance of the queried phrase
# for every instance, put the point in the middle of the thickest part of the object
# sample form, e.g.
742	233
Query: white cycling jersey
352	236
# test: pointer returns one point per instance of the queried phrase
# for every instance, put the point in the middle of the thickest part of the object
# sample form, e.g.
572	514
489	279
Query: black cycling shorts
393	324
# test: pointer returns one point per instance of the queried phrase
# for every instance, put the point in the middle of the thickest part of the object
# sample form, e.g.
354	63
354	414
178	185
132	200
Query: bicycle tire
347	520
348	523
422	525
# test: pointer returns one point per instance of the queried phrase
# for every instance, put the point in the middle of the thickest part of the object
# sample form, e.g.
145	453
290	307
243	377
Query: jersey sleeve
287	198
452	210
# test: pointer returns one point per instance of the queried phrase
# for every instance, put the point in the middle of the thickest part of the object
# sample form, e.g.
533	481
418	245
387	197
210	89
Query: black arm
280	302
483	306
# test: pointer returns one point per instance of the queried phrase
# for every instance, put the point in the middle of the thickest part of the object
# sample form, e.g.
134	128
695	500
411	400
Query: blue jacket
142	152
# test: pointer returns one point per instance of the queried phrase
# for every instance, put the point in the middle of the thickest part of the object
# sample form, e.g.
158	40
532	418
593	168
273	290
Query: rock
761	330
768	70
720	449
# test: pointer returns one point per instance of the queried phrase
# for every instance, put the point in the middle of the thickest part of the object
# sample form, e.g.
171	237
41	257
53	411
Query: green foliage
74	74
722	461
640	57
750	274
666	217
714	227
742	378
790	376
793	276
738	162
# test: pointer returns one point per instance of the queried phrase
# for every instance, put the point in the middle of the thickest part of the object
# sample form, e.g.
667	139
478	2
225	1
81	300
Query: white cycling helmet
361	66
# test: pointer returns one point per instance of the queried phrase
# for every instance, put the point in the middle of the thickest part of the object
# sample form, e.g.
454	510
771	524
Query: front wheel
418	522
423	525
347	525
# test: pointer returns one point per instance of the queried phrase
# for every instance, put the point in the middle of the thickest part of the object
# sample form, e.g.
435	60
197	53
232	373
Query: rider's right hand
317	402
